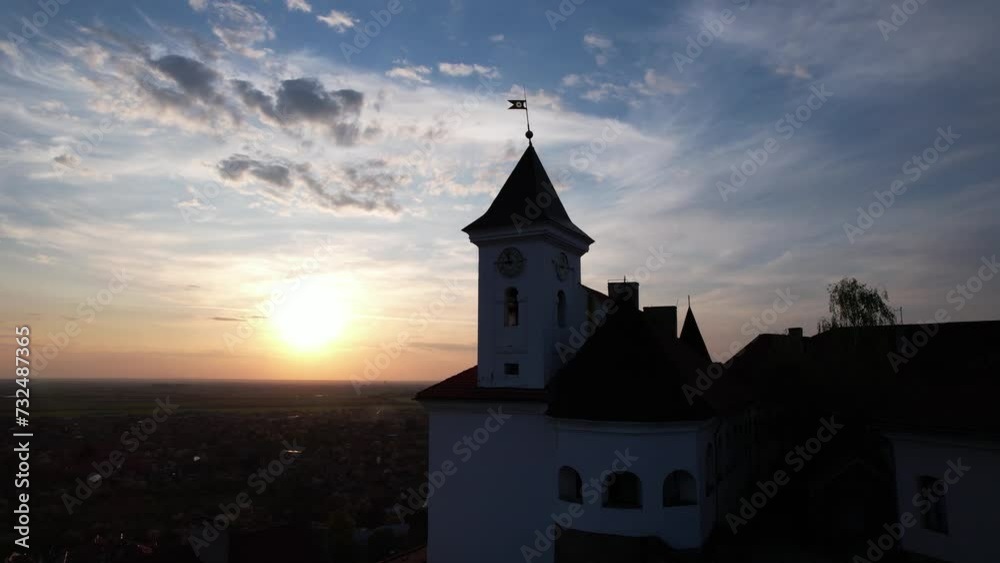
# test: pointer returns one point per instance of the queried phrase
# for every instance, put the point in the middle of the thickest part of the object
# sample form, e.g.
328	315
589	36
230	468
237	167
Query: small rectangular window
512	369
936	517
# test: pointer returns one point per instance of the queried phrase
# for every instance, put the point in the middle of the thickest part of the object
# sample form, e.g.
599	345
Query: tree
853	303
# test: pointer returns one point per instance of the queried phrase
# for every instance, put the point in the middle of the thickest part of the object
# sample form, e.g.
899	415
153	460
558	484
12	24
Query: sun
312	315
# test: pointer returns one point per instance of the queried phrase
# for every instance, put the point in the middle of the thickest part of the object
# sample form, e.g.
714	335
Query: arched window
510	307
623	490
679	489
570	485
561	309
709	470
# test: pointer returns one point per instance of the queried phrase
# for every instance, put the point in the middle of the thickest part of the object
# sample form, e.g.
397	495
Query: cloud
67	159
655	84
298	5
238	166
570	80
798	71
256	99
414	73
306	100
369	186
498	38
238	27
601	46
462	69
192	76
338	21
41	259
198	5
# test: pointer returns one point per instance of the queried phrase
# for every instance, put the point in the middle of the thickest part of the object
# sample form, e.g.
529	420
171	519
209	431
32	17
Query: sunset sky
167	166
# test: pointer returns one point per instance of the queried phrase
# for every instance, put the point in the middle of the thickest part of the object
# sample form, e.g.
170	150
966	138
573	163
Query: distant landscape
355	452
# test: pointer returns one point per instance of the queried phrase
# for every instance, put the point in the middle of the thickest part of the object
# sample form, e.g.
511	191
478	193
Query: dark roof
463	386
897	377
691	335
418	555
629	370
527	183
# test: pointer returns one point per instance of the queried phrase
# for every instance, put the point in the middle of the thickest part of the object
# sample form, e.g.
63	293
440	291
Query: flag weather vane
523	104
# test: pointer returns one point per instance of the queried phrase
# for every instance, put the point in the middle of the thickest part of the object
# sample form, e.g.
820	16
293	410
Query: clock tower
530	295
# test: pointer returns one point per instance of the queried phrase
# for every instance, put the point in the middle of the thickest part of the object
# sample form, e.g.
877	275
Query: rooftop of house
529	194
631	369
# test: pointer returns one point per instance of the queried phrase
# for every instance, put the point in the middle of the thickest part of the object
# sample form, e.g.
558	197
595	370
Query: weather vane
523	104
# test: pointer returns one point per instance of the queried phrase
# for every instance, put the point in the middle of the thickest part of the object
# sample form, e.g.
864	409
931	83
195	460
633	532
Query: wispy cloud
338	21
462	69
298	5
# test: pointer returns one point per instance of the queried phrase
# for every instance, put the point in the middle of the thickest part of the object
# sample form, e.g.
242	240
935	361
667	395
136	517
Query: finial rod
527	121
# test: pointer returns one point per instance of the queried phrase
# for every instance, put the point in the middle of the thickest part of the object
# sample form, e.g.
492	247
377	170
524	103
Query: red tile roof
463	387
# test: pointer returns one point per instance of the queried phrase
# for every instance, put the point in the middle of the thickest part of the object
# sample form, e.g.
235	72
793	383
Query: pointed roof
627	371
691	335
527	183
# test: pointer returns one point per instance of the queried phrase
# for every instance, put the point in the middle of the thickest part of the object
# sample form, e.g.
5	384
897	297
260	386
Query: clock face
561	263
510	262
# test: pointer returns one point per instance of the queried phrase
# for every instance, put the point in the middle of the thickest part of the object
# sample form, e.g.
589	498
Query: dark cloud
238	165
255	99
67	159
305	100
368	186
190	89
227	319
193	77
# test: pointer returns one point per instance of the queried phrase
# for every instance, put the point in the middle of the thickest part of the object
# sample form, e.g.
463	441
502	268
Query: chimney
664	320
624	293
795	332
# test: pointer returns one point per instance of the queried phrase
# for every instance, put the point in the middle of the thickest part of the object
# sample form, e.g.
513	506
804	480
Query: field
72	398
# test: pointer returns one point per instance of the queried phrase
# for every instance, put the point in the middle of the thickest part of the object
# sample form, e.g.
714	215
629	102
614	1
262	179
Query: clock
561	263
510	263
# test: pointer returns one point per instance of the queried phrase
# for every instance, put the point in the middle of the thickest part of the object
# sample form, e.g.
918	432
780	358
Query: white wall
502	495
591	448
498	496
970	502
532	343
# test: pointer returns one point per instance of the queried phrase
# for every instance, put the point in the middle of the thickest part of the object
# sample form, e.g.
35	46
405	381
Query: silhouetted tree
853	303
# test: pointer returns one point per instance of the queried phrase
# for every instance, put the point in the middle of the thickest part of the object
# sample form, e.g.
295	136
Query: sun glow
312	316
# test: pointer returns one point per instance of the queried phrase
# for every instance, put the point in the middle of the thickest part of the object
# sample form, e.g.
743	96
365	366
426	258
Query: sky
193	189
